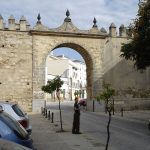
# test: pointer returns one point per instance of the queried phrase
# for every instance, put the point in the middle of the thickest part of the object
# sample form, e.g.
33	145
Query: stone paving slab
43	135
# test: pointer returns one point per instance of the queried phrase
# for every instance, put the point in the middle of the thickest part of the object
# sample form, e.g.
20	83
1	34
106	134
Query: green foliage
57	83
106	94
138	50
76	93
53	85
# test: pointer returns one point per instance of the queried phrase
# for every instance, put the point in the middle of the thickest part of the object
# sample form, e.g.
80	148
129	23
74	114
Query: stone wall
23	53
16	68
22	67
132	87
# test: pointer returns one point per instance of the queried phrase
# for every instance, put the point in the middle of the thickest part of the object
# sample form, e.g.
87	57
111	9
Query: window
17	110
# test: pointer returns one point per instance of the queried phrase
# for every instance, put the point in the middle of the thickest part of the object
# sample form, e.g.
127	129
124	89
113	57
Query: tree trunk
108	132
60	116
58	96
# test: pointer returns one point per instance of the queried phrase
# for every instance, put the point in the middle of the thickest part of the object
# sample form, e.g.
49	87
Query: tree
76	93
54	85
107	95
138	49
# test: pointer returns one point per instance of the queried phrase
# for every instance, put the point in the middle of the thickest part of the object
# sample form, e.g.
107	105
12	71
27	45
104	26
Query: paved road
127	133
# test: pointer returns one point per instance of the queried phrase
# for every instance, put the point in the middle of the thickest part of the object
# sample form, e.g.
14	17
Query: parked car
16	112
8	145
12	130
82	102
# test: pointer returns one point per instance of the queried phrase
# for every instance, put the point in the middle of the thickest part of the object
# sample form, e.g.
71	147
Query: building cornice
67	34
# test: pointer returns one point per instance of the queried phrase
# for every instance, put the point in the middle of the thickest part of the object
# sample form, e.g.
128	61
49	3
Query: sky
82	12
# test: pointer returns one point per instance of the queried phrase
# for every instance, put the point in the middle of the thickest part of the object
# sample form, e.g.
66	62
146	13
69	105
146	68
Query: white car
15	111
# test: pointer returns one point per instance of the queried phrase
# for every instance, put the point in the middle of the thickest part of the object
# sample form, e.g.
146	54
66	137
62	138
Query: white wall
72	73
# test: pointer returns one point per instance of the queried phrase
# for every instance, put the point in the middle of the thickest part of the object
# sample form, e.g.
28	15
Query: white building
72	72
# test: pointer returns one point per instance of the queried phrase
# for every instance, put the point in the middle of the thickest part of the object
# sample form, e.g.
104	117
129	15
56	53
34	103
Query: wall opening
72	63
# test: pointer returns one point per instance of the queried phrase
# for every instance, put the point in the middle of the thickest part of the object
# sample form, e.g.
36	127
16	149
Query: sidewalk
141	116
47	136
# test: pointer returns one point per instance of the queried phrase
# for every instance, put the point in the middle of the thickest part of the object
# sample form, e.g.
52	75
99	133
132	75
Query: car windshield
14	125
18	111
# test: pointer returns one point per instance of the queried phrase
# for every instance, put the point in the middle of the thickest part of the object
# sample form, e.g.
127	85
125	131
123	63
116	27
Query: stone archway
89	43
41	52
23	52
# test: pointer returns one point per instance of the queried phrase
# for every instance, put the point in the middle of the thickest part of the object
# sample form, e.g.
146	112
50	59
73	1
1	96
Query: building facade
72	72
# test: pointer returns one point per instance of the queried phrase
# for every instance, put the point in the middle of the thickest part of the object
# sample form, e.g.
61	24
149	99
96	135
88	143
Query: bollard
93	105
49	115
41	110
52	118
46	113
121	112
45	104
113	107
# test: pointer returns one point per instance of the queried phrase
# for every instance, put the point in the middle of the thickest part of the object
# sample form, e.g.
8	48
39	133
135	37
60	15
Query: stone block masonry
16	68
23	53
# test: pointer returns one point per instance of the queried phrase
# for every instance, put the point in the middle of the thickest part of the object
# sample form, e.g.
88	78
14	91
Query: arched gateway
23	52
